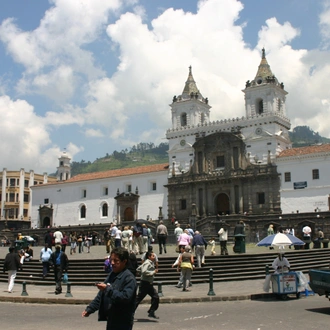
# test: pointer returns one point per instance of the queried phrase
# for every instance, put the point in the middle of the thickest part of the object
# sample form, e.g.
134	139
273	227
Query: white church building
140	192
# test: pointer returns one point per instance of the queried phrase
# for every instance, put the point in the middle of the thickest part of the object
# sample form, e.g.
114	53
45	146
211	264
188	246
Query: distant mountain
302	136
138	155
147	153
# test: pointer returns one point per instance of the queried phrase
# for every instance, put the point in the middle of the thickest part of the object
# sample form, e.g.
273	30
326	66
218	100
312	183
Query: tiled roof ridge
116	173
308	150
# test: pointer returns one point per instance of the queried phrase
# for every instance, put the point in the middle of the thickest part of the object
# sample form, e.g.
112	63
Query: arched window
105	210
183	119
82	212
260	107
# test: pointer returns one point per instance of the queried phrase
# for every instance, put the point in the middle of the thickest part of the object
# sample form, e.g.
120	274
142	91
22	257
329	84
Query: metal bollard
24	293
68	290
267	270
160	290
211	292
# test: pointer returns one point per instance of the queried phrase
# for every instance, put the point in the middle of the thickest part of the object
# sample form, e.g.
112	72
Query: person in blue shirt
200	245
60	262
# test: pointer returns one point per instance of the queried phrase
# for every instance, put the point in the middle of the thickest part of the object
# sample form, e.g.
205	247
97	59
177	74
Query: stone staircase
225	268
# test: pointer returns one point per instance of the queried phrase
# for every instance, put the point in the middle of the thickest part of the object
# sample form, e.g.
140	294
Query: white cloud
324	22
276	35
69	115
54	53
132	104
93	133
25	138
154	63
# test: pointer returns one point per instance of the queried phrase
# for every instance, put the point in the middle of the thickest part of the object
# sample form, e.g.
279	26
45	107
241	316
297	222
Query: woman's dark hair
121	253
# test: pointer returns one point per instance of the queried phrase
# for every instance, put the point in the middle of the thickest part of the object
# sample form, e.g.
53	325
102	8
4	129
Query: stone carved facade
221	180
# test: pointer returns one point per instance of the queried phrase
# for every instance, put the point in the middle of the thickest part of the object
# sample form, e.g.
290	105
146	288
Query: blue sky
98	76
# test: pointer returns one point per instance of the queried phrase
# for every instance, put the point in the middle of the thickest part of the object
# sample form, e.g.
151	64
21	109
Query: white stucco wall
66	198
316	194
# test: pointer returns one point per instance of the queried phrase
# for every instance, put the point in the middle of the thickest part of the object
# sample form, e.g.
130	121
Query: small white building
102	197
305	178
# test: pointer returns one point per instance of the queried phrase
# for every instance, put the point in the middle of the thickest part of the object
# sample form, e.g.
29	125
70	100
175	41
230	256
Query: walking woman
223	237
73	242
186	264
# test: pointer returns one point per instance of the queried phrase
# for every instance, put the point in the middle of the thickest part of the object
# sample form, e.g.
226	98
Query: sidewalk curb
163	300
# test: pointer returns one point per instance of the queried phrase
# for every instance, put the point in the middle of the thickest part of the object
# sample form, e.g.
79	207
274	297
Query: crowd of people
119	294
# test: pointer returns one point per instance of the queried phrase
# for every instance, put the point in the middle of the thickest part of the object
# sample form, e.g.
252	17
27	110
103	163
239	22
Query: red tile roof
305	150
119	172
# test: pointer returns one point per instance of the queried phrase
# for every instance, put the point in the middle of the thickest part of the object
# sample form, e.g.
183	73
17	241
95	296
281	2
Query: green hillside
302	136
139	155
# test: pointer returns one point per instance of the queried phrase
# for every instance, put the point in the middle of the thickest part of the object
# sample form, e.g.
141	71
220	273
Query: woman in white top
118	237
223	237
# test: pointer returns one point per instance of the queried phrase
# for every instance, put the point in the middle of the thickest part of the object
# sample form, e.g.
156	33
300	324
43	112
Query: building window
12	182
46	201
316	174
153	186
183	204
105	210
220	161
84	193
26	183
261	198
83	212
105	191
26	198
61	163
11	213
35	183
25	213
260	107
11	197
184	119
287	177
128	188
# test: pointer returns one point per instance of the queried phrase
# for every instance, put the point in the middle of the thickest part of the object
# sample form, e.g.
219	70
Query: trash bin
317	244
307	243
239	246
325	243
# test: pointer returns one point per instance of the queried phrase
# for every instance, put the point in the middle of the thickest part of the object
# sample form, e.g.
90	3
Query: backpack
107	266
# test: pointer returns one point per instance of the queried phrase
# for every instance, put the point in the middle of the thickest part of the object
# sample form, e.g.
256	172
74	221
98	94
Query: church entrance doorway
46	223
222	204
128	214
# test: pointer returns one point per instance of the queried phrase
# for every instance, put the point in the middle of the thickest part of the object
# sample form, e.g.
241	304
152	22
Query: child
107	265
211	242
